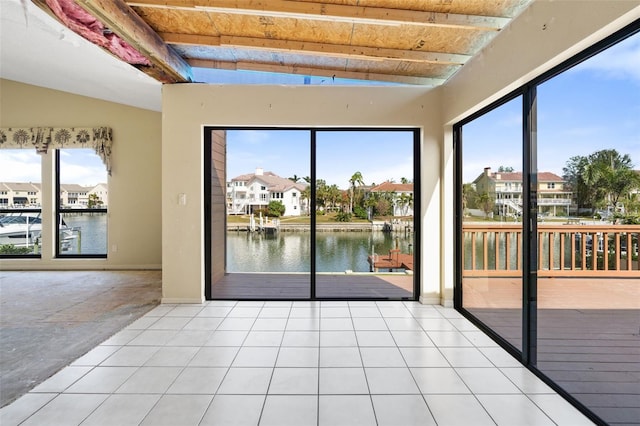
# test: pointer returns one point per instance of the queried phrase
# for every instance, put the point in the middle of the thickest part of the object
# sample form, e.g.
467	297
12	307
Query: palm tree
294	178
355	181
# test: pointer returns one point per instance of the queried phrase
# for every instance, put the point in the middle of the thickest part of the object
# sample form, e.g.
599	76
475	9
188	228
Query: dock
394	260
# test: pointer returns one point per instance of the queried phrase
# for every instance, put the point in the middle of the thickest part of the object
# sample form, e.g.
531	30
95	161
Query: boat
24	229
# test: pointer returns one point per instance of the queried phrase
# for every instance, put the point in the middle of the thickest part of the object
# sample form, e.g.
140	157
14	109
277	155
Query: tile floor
295	363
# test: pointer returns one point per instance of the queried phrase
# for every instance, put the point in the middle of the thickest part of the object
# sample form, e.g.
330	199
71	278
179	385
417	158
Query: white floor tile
183	410
226	338
303	324
102	380
343	381
365	312
338	338
436	324
369	324
198	380
147	380
424	357
23	407
256	357
215	311
449	339
169	323
458	410
465	357
274	312
439	381
375	338
191	338
242	311
487	381
213	356
178	356
122	337
406	324
153	338
185	311
66	409
298	357
142	323
389	381
294	381
204	323
290	410
336	324
130	356
510	410
264	338
559	410
345	410
122	410
389	311
526	380
411	338
479	339
234	410
246	381
340	357
270	324
62	379
232	324
499	357
301	338
304	312
382	357
335	312
405	410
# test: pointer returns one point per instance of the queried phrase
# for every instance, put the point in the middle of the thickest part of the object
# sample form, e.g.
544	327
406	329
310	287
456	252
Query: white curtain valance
43	138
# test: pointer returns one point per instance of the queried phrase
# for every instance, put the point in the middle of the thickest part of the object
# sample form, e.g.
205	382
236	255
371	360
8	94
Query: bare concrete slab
50	318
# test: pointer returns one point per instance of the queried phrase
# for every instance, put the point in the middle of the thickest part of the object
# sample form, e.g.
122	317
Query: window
20	212
551	185
82	204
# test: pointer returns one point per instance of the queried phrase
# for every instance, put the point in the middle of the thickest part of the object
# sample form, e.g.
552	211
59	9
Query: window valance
43	138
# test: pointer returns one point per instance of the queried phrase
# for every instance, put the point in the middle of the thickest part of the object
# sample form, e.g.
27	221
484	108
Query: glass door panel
492	220
364	204
268	239
589	205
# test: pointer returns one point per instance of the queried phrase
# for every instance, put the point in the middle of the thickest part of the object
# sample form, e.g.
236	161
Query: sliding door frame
313	131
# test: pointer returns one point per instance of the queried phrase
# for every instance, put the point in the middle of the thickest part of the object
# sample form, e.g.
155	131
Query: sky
80	166
593	106
377	155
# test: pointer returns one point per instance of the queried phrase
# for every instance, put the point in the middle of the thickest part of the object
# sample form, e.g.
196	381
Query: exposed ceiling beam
332	12
321	72
123	21
324	49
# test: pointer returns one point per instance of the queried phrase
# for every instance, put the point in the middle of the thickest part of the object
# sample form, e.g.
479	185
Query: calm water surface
291	251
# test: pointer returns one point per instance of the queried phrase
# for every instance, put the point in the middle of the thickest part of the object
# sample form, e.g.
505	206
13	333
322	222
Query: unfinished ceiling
420	42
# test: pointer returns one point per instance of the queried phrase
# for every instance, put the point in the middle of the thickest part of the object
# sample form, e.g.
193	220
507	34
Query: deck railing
564	250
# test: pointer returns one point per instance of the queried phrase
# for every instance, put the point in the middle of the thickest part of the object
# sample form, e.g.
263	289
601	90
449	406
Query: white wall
134	224
188	107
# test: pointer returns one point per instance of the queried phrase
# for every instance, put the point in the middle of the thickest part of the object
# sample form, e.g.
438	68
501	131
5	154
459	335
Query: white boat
23	229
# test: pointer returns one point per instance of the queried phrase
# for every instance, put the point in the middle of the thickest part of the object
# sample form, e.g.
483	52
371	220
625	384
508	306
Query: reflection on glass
20	202
83	202
492	220
588	277
364	214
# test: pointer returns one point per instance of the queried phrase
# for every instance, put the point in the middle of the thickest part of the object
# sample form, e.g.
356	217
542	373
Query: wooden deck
297	286
588	335
393	261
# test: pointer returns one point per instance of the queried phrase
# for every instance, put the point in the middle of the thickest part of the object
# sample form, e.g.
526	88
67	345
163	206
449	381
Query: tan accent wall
134	221
188	107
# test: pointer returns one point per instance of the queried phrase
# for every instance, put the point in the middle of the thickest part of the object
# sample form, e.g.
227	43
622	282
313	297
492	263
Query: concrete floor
50	318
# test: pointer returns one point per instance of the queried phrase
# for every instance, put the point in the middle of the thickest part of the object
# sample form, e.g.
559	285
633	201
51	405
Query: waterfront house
402	196
505	189
251	191
19	194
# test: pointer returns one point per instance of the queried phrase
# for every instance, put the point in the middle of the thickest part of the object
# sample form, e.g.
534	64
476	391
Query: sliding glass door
309	214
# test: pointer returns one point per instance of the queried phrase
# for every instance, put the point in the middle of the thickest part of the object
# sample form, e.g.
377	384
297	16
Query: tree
94	201
469	197
404	180
355	181
305	195
486	203
275	208
294	178
505	169
602	179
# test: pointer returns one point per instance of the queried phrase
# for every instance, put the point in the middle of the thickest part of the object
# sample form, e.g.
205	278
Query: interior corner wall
187	108
134	210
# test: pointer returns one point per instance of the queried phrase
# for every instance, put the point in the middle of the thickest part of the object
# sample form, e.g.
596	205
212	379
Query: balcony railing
495	250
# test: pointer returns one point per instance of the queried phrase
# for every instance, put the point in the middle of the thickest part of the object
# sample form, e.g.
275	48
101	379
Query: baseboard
429	300
182	300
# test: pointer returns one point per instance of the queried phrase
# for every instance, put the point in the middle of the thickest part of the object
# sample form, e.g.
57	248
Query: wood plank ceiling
421	42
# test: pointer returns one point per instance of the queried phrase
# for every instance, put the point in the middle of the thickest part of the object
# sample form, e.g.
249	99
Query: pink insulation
83	23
